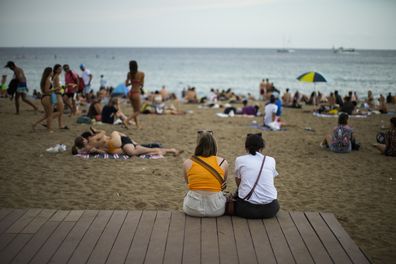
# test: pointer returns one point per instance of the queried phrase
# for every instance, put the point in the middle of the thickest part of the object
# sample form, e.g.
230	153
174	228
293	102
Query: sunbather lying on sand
97	141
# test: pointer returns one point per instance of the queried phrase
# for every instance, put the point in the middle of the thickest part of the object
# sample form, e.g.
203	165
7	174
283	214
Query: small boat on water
284	50
342	50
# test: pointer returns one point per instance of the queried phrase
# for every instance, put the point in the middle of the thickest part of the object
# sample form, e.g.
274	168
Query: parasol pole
316	95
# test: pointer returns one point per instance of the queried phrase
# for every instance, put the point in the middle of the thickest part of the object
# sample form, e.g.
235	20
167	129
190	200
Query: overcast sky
361	24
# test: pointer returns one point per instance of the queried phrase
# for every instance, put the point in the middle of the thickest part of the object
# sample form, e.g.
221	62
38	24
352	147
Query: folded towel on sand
116	156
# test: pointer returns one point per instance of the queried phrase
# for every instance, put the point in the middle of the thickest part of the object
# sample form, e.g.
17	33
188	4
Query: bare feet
176	152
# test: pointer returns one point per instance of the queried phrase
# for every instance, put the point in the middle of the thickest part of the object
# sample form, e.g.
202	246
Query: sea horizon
240	69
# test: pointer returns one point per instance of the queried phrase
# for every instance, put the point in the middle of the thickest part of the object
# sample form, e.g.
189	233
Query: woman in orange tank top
205	197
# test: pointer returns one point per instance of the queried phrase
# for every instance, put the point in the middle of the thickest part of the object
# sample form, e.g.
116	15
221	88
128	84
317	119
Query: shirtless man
116	143
22	89
263	89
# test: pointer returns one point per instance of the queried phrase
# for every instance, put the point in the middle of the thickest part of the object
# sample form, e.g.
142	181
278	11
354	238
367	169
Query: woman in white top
270	119
262	202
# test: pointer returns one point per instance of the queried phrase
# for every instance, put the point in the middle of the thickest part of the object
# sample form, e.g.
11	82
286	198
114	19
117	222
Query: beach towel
264	128
115	156
351	116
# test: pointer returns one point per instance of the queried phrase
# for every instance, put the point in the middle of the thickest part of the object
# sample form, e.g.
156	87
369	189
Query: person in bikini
96	141
135	78
57	87
46	86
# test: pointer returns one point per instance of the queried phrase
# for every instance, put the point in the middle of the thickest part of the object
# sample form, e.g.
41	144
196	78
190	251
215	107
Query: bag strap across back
247	197
208	168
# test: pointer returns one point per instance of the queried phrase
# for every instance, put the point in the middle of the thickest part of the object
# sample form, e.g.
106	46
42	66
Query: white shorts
204	204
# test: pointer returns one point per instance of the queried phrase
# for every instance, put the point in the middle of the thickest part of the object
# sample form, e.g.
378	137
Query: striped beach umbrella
312	77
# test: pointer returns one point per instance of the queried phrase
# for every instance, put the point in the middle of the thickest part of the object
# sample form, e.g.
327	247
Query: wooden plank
313	243
121	246
140	242
37	222
38	239
14	247
192	240
5	239
209	241
10	219
156	248
296	243
4	212
22	222
53	242
227	245
347	243
88	242
331	244
278	242
174	245
261	242
66	249
74	215
59	215
246	253
105	242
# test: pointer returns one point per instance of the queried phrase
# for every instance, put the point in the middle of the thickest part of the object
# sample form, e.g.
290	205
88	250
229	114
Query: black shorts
255	211
70	95
126	140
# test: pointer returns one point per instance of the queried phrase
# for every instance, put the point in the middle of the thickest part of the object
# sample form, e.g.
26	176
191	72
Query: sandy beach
359	187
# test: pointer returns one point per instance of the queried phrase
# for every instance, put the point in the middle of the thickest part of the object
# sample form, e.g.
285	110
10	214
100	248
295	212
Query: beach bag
341	139
381	138
230	203
54	99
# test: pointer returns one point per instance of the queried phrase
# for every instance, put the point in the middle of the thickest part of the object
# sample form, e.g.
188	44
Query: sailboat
284	49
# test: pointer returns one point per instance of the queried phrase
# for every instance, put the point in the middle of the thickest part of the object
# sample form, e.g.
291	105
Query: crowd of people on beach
205	173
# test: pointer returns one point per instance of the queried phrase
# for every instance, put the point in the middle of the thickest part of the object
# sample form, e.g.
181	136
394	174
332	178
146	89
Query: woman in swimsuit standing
135	78
59	94
46	86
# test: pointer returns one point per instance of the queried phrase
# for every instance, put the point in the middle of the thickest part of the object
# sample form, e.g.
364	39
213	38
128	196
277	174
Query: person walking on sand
71	83
22	89
87	78
46	91
57	87
135	78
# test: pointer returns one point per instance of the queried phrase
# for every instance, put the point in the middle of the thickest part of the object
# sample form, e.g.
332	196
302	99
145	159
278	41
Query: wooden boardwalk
90	236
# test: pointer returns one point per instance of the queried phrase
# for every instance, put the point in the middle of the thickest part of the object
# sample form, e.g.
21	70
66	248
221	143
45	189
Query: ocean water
204	68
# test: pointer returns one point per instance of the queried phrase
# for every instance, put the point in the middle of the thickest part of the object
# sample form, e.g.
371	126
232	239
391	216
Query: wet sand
357	187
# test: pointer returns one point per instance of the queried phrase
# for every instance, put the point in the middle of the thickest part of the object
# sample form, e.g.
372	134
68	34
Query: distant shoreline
203	48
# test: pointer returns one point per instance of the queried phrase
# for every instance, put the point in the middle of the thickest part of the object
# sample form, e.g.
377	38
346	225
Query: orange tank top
200	179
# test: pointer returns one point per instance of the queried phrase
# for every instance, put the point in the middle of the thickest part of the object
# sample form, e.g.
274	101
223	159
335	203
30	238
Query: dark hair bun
254	142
